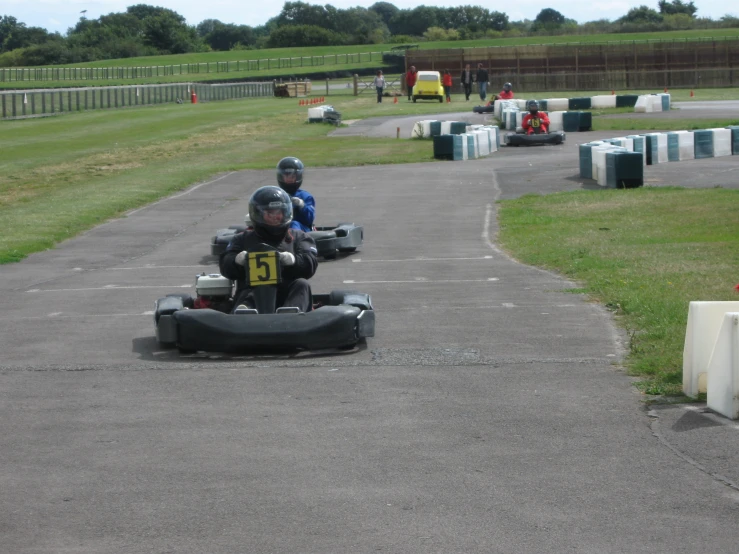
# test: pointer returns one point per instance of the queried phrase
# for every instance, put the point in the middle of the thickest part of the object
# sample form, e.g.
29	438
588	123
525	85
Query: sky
60	15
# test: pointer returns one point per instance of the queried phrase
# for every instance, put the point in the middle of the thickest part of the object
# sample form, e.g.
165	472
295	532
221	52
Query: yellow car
428	86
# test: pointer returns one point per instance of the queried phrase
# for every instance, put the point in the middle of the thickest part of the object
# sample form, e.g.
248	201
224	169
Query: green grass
275	53
62	175
643	253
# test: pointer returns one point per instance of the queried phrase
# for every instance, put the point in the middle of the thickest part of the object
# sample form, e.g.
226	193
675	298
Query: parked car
428	86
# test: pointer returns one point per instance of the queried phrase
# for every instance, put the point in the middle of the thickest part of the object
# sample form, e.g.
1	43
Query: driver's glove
287	258
298	202
240	258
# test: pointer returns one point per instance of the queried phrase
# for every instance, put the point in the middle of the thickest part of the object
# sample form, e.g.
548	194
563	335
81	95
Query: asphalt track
489	414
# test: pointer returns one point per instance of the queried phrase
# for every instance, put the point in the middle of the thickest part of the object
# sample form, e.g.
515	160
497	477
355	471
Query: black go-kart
344	238
207	322
520	138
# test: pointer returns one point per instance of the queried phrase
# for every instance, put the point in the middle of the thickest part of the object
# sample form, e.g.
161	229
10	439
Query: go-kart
344	237
208	322
483	109
520	138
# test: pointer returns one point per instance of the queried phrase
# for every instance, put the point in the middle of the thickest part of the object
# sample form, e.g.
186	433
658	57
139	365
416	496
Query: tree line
144	30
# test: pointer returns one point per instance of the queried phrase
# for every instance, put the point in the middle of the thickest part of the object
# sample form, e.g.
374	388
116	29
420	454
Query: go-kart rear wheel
330	255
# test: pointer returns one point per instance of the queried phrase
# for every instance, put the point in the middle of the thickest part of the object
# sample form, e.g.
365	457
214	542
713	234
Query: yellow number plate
263	268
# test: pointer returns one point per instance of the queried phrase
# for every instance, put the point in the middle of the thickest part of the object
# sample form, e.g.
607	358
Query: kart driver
271	212
506	93
535	122
290	177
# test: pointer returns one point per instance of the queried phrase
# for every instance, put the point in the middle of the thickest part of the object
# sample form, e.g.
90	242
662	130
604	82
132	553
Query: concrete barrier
722	394
704	322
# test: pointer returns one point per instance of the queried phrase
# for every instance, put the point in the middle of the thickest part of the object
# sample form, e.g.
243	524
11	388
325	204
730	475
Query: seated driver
505	94
535	122
271	212
290	177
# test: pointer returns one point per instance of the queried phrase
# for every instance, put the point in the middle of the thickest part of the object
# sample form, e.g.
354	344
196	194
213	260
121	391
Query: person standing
482	81
447	82
410	80
466	79
379	83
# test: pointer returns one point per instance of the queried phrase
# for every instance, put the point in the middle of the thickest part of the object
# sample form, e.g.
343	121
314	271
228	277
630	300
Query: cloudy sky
59	15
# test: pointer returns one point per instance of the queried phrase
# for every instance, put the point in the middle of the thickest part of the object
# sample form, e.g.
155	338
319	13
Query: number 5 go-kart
344	237
204	322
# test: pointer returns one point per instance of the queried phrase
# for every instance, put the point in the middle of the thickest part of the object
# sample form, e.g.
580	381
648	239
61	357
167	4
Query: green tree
385	10
548	19
641	15
676	7
290	36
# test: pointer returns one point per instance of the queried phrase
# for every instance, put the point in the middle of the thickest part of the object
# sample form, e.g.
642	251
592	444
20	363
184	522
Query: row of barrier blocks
480	141
653	103
573	104
711	355
432	128
323	113
650	149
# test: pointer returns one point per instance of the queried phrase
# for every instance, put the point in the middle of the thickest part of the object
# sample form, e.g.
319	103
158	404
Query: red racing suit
505	95
536	123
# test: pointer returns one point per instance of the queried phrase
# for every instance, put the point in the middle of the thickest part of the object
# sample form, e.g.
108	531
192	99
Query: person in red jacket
535	122
446	81
506	93
410	80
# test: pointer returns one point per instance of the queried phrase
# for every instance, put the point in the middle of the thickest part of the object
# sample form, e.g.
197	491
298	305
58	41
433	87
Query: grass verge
643	253
62	175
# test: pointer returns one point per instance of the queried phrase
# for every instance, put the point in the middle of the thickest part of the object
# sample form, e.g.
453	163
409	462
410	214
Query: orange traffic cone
613	92
665	89
692	94
395	100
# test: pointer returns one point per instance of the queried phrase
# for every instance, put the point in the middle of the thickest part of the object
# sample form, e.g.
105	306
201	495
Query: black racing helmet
271	212
290	174
507	87
532	106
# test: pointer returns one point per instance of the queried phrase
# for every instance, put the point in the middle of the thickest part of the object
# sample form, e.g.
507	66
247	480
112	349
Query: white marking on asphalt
424	280
188	191
52	314
157	267
508	305
360	260
113	287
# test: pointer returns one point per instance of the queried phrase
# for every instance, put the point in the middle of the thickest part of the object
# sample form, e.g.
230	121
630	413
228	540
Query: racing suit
505	95
294	290
303	217
535	124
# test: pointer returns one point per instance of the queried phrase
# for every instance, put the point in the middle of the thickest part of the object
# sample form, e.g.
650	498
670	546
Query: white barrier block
723	369
641	104
599	159
655	103
316	113
446	128
686	145
481	140
603	101
509	115
521	103
464	146
501	105
626	142
704	322
556	122
721	142
558	105
662	156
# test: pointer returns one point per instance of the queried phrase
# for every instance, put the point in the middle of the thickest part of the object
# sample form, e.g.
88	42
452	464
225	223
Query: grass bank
643	253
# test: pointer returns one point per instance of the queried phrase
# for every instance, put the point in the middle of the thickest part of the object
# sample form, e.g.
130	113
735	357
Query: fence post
356	85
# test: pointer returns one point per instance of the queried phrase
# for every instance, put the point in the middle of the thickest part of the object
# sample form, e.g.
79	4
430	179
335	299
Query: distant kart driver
290	177
535	122
506	93
271	212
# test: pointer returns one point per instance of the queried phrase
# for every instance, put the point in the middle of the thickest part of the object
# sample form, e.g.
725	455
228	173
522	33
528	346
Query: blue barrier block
582	103
586	160
734	139
639	144
458	127
652	149
673	147
665	103
703	143
471	154
543	105
435	128
624	170
444	147
459	146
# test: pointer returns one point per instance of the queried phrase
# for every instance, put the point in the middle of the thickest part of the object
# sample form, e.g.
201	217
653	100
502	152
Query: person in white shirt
379	82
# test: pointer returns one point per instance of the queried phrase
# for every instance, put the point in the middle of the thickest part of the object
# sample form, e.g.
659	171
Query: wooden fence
690	64
36	102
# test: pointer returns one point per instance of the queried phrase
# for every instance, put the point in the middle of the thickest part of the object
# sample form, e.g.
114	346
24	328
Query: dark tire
331	255
348	249
336	297
441	99
414	99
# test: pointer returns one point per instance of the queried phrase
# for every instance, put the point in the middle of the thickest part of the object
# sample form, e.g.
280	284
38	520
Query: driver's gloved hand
287	258
298	202
241	257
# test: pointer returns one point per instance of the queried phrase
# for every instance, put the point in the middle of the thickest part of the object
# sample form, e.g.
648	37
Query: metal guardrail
38	102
